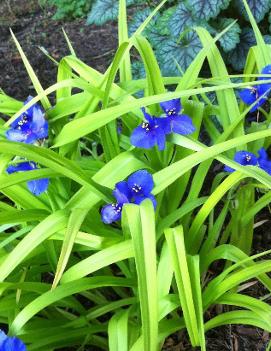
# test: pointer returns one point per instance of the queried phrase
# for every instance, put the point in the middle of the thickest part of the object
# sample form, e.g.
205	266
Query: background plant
130	285
171	31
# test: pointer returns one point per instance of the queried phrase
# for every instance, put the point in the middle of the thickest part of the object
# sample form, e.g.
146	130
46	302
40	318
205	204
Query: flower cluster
154	130
261	92
246	158
137	188
10	343
29	127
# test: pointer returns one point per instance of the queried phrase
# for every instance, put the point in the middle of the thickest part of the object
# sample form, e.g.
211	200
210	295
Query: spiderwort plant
11	343
154	131
30	126
262	91
137	188
176	122
37	186
166	252
149	133
246	158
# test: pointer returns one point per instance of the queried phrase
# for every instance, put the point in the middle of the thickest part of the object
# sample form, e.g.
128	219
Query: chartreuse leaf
92	121
219	286
193	238
139	223
39	234
8	105
76	219
206	9
52	160
228	106
96	261
259	307
125	67
118	331
60	293
175	240
168	175
238	317
31	73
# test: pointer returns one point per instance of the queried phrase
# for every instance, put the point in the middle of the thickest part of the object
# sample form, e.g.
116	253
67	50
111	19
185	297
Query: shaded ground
34	28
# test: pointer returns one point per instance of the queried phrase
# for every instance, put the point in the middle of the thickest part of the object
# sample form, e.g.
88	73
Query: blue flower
263	161
10	343
137	188
176	122
140	185
37	186
149	133
244	158
261	91
29	126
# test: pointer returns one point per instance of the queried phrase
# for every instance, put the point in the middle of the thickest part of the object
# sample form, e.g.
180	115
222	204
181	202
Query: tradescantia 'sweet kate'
137	188
30	127
246	158
258	92
154	130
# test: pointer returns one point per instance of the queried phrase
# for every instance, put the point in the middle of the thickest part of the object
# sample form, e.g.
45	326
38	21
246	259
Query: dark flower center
136	188
117	207
171	111
22	122
145	126
248	157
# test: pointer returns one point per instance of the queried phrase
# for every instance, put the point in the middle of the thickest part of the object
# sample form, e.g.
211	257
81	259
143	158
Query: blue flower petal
39	124
111	213
122	193
245	158
182	124
265	70
22	167
160	139
38	186
263	161
262	154
140	182
228	169
164	124
142	138
248	95
3	336
16	135
29	111
13	344
171	107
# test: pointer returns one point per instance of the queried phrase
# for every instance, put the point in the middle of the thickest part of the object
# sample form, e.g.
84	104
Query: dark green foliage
70	8
206	9
232	37
176	55
259	8
170	31
104	10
